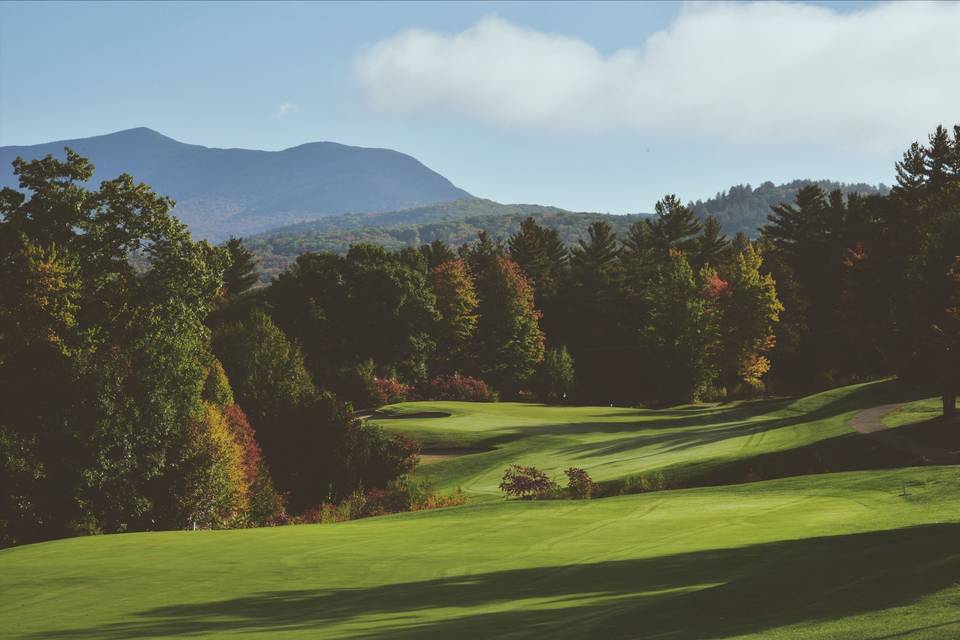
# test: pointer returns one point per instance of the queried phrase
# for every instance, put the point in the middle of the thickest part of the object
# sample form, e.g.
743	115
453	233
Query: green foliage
682	331
674	226
510	343
241	274
750	309
744	209
541	254
216	388
556	377
457	303
91	346
369	304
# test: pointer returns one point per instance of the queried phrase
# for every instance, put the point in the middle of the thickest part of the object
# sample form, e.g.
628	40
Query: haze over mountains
222	192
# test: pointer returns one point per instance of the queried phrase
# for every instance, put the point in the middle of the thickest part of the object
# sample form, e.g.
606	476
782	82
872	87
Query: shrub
457	387
390	391
579	483
526	482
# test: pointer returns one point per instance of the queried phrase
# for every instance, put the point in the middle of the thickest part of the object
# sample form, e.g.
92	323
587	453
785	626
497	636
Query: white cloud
871	78
286	108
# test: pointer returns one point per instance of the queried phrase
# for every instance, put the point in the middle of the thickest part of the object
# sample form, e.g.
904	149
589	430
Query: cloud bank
871	79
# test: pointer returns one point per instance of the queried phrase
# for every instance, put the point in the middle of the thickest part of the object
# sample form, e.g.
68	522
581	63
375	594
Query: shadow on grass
716	426
703	594
926	443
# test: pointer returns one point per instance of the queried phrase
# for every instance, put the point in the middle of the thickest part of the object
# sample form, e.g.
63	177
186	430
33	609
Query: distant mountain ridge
222	192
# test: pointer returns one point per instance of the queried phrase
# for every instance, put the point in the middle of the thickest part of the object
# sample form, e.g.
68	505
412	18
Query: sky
588	106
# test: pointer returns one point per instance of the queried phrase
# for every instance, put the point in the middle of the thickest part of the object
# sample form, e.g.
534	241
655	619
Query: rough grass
838	555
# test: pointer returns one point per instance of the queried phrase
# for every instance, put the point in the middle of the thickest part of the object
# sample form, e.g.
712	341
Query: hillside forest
168	392
741	209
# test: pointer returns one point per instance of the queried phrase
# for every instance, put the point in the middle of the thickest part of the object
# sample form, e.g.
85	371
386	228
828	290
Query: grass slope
654	448
840	555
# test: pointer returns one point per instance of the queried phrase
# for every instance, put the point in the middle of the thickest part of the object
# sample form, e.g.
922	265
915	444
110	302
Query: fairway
670	447
840	555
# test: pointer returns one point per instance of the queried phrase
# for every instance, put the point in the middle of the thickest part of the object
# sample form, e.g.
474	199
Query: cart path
871	420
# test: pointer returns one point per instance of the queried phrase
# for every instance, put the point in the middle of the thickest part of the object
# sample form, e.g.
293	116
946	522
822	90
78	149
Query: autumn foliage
457	387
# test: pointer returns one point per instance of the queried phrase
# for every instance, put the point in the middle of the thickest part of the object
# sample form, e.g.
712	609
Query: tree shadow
686	433
702	594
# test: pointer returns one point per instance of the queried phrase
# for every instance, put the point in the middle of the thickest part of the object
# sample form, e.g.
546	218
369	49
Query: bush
579	483
526	482
457	387
390	391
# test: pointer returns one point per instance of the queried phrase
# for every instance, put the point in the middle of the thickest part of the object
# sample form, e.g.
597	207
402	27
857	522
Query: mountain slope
220	192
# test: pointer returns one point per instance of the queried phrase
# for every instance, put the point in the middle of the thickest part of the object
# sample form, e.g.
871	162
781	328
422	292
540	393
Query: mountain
222	192
453	222
743	209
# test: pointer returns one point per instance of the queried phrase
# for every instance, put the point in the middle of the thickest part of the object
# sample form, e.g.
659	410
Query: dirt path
871	420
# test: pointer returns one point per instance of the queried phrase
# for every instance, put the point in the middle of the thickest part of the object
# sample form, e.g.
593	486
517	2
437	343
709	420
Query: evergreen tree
713	247
241	274
674	226
437	253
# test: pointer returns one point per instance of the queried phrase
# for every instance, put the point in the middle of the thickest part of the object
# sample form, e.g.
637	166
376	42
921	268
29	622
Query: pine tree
674	226
713	246
241	274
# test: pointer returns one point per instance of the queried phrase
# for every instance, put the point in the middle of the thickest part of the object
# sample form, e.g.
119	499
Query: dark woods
163	391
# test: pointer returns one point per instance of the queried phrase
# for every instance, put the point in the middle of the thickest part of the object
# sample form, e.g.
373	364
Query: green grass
913	412
837	555
682	444
833	556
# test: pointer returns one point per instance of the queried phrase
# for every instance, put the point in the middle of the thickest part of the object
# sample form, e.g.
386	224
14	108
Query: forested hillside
453	223
744	209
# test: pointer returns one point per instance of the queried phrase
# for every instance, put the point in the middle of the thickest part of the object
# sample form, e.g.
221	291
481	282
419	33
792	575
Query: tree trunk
950	402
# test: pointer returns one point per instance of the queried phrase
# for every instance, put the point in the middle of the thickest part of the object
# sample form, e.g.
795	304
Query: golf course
762	519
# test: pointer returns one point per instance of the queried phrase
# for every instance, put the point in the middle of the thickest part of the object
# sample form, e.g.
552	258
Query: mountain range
223	192
324	196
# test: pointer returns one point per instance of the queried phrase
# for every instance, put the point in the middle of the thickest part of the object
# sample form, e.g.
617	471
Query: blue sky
600	107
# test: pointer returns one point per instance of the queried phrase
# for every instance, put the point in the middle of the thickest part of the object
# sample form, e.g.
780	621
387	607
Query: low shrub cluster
399	496
457	387
391	391
532	483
